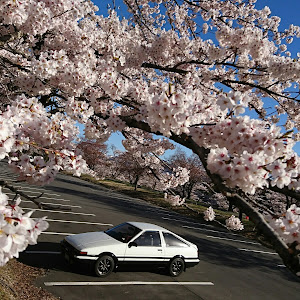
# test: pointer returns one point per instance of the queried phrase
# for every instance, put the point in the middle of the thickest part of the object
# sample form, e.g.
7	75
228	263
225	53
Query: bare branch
40	205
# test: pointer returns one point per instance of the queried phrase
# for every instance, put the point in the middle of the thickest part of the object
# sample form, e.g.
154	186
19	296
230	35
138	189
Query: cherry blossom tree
142	159
183	69
130	168
95	155
197	173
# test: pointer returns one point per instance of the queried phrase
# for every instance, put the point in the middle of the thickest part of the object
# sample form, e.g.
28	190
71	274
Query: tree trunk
288	255
136	182
230	207
240	214
288	202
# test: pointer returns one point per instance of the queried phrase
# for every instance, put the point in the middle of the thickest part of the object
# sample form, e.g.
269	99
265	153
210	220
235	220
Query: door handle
159	249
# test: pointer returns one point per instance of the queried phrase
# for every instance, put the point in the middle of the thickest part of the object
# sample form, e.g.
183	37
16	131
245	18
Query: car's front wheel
176	266
104	265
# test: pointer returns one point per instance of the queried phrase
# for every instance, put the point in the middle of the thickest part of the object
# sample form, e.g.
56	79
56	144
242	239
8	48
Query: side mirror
132	244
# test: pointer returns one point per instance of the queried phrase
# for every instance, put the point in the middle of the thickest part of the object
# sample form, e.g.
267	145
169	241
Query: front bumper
68	251
71	254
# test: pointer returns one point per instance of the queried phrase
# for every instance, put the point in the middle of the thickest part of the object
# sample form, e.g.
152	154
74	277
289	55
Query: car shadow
47	255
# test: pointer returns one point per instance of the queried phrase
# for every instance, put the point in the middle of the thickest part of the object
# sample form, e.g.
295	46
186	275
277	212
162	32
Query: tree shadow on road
224	254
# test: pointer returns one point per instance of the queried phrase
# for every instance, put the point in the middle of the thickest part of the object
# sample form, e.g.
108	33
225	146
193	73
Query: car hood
91	239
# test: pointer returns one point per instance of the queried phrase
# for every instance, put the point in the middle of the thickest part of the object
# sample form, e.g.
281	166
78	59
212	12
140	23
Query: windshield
123	232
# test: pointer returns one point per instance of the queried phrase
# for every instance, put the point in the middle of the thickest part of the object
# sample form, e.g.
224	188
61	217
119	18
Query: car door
147	247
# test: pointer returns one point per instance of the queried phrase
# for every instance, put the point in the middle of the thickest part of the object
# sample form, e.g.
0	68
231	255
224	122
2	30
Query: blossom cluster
176	176
234	223
209	214
36	143
247	154
175	200
288	225
176	111
17	229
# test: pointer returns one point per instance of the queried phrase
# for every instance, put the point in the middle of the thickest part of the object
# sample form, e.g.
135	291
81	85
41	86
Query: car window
172	241
123	232
149	238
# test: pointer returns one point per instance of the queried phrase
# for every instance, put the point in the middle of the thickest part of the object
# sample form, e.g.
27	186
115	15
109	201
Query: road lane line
258	251
55	199
61	212
78	222
58	205
240	241
183	221
43	197
197	228
42	252
22	189
57	233
80	283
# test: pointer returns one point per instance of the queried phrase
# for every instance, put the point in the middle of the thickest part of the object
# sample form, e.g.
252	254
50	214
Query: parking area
228	261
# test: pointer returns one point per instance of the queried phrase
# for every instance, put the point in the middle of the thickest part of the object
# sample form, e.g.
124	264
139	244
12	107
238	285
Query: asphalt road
231	267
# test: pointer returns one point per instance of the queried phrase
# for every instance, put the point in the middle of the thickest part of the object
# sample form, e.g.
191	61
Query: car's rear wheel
104	265
176	266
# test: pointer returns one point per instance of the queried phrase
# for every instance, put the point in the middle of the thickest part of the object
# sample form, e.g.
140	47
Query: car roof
146	226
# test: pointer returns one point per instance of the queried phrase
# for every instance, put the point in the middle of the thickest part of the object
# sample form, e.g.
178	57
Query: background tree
94	153
130	168
197	174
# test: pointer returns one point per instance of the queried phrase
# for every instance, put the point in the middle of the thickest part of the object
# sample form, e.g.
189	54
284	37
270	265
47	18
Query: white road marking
197	228
65	205
80	283
78	222
258	251
42	252
55	199
43	197
240	241
22	189
61	212
57	233
183	221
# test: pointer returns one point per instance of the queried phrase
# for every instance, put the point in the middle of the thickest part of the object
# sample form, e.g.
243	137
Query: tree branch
40	205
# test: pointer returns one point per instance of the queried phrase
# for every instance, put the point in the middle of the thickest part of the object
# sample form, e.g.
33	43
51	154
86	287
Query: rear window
172	241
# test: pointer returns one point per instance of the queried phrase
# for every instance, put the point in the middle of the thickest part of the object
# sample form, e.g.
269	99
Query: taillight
83	253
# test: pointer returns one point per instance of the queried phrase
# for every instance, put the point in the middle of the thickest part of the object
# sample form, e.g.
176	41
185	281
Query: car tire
104	265
176	266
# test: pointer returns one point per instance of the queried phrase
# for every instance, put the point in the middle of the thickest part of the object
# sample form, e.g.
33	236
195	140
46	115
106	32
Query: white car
131	242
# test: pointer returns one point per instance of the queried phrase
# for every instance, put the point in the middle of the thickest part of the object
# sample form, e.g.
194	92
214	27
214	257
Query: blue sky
287	10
